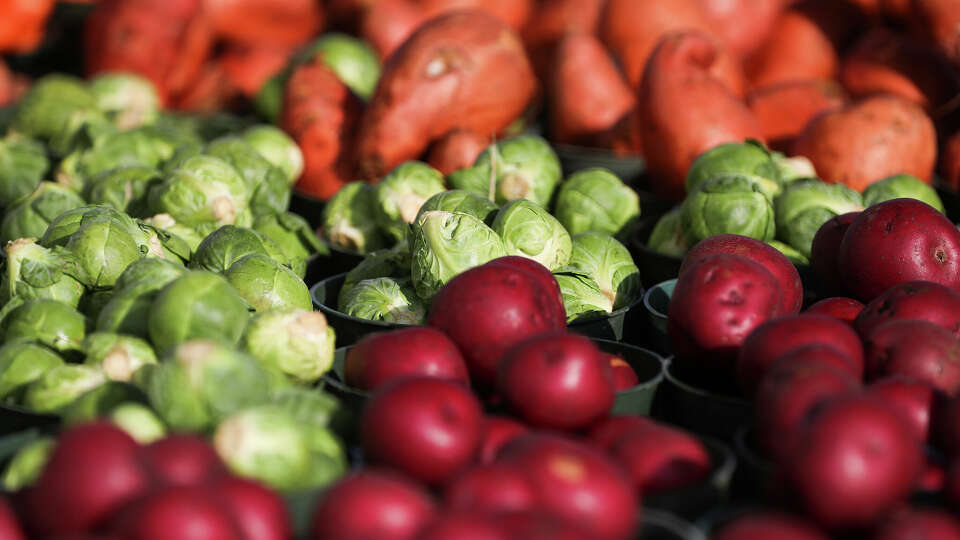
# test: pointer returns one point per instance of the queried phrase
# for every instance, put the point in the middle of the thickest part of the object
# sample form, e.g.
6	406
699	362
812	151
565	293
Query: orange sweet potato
784	110
514	13
588	94
210	92
940	21
799	49
22	24
386	24
265	22
456	150
870	140
885	62
950	162
553	20
464	70
743	25
684	110
248	68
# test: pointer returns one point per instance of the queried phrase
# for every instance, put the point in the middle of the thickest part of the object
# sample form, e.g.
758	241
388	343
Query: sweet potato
456	150
6	84
265	22
23	24
684	110
464	70
553	20
588	95
870	140
210	92
743	25
950	161
940	21
248	68
799	49
386	24
513	13
785	109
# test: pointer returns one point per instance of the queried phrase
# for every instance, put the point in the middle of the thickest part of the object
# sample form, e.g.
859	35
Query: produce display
491	269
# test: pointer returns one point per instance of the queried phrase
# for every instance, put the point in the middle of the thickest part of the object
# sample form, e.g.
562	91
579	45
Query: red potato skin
838	496
260	513
920	300
467	525
825	251
491	488
605	433
624	377
933	478
916	523
551	21
456	150
661	459
782	269
588	94
917	349
188	513
372	503
950	162
838	307
743	25
912	397
381	358
182	460
539	271
779	336
497	432
870	140
898	241
463	70
685	110
785	109
539	525
259	22
249	68
756	526
9	526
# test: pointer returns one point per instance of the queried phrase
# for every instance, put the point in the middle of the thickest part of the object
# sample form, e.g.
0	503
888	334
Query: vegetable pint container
688	404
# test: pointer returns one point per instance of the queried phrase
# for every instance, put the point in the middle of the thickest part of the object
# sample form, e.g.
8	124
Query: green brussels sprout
298	343
128	100
524	167
203	189
902	186
152	272
146	146
97	402
383	299
21	363
793	169
30	217
728	204
266	284
23	164
400	195
354	62
198	304
669	236
33	271
27	464
278	148
582	297
609	264
793	255
162	244
349	221
596	200
464	202
228	244
117	355
60	386
136	288
93	303
124	188
394	262
45	110
309	406
750	158
293	235
269	99
182	153
268	185
54	324
139	421
165	222
528	230
808	204
68	223
103	248
445	244
82	130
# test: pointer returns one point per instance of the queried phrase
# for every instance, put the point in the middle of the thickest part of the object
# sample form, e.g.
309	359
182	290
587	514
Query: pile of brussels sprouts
153	276
745	189
418	235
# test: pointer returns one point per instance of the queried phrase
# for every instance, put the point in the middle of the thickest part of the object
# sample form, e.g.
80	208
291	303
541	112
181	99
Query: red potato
940	21
384	357
661	459
743	25
588	94
775	262
93	471
182	460
557	381
853	429
912	397
928	524
685	110
950	162
249	68
838	307
372	504
537	270
540	525
869	141
919	300
898	241
492	488
261	22
488	309
624	377
757	526
260	513
468	525
918	349
932	478
10	528
465	70
785	109
456	150
825	251
182	512
717	302
608	431
551	21
497	432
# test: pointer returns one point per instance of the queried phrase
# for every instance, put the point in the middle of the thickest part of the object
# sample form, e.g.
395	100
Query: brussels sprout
61	229
268	186
609	264
278	148
383	299
136	288
198	304
808	204
99	401
166	223
30	217
33	272
349	219
750	158
203	189
81	131
60	386
669	236
93	303
582	297
464	202
445	244
165	245
155	273
23	163
228	244
728	204
902	186
298	343
400	195
394	262
21	363
128	100
793	169
139	421
293	235
596	200
266	284
26	465
144	146
103	248
117	355
124	188
524	167
793	255
528	230
54	324
354	61
309	406
45	110
269	99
